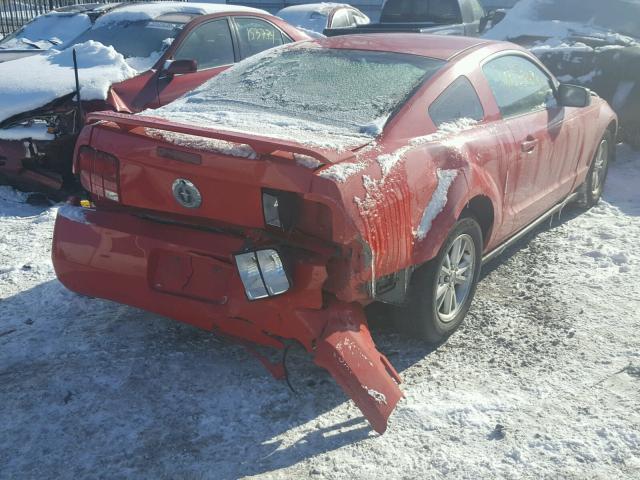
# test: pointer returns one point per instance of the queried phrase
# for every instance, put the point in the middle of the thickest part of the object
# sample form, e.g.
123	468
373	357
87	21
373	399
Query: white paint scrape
437	202
376	395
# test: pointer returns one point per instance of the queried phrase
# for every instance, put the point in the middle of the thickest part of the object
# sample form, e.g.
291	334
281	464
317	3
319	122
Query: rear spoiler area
262	145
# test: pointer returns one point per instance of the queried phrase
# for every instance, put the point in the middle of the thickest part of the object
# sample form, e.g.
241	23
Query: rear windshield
422	11
352	88
620	16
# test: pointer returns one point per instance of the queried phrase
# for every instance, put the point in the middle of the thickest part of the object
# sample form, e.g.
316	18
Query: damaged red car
133	57
277	200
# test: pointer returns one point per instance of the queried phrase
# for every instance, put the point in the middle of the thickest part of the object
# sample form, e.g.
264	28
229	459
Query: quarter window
458	101
519	86
341	19
209	44
257	35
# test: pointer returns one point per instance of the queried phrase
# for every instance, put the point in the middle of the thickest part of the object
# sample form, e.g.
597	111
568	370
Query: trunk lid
165	166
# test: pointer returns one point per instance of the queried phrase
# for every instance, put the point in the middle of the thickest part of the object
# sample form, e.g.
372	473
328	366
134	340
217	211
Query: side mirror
573	96
491	19
180	67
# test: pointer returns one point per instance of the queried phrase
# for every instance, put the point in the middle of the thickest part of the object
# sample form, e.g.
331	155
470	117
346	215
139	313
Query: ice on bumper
262	274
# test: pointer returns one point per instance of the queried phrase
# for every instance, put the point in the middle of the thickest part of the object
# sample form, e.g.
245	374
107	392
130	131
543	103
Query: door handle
529	145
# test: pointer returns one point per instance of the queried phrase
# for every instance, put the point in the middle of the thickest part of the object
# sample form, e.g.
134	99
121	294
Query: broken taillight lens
99	173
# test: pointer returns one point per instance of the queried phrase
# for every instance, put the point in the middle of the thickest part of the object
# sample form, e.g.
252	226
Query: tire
421	316
597	176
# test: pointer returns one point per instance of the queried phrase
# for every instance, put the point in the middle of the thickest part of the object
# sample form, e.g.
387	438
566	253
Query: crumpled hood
32	82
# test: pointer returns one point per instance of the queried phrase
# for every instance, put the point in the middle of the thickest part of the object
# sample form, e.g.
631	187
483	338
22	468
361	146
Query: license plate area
190	275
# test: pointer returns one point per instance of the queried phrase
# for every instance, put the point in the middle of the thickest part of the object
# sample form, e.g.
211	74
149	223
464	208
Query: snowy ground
543	381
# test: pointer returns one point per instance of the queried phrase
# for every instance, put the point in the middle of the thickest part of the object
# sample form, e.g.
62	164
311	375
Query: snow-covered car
133	58
593	43
317	17
277	200
53	29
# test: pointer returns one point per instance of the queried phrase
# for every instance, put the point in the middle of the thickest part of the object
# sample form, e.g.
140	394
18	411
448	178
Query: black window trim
517	53
236	34
484	113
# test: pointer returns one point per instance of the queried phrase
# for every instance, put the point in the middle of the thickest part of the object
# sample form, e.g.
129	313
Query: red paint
179	262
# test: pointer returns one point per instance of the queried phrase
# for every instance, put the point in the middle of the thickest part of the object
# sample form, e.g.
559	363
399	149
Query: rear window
352	88
422	11
458	101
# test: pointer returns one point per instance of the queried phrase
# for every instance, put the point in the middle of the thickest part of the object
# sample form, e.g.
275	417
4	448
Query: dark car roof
442	47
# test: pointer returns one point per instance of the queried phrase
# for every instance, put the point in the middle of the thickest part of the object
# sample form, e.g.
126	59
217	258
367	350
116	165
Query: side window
341	19
208	44
458	101
518	85
360	19
256	35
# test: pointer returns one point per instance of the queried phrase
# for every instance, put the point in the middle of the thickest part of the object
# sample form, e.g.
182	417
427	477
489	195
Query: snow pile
36	131
202	143
307	161
549	27
142	64
32	82
150	11
47	31
437	202
343	171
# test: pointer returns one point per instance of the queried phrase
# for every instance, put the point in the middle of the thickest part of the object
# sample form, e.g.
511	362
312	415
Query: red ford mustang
281	197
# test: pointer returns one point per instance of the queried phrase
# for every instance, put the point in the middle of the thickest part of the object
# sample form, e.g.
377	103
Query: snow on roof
324	8
311	17
524	20
149	11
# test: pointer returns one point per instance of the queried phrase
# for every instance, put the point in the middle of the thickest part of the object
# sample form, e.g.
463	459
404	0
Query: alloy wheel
455	278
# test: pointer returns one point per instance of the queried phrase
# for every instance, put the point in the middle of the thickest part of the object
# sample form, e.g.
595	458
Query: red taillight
99	173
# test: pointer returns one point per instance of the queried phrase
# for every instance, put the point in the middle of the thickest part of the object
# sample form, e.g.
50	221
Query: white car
316	17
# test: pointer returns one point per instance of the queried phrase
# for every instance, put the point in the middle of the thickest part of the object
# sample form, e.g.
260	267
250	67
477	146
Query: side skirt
528	229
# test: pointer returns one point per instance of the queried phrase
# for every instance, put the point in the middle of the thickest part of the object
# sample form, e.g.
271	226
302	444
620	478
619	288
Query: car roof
442	47
151	11
324	8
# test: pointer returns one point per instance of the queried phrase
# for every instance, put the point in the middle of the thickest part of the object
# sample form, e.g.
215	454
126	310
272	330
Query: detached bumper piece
347	351
198	277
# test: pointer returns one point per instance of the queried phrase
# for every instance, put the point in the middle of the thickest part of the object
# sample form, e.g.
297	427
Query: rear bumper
190	275
182	273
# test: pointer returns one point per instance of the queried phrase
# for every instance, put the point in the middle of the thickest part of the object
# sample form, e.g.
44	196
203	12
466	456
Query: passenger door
256	35
537	177
210	45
